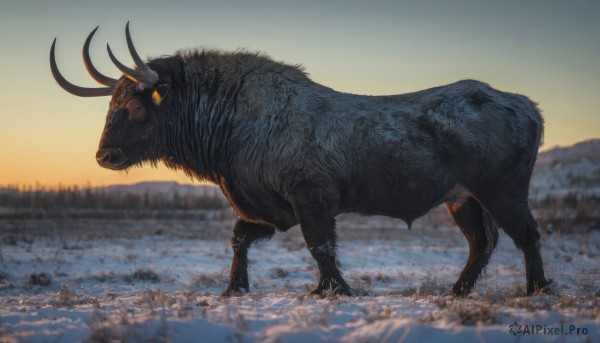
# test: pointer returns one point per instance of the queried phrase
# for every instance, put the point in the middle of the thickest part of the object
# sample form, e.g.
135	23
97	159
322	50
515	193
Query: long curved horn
96	75
71	88
132	74
149	74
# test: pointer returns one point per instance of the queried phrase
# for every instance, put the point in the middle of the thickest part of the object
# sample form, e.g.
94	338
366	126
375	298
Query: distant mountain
568	170
168	188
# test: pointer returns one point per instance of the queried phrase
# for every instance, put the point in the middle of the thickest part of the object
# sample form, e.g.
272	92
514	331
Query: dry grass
143	275
40	279
375	311
121	326
463	311
155	299
212	279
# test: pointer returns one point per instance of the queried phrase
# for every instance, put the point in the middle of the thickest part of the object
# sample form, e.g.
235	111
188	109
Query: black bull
285	150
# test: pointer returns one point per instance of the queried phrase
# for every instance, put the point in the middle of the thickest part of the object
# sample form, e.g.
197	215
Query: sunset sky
547	50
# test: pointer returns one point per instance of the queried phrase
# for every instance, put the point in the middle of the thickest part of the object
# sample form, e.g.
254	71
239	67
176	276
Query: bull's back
394	155
412	150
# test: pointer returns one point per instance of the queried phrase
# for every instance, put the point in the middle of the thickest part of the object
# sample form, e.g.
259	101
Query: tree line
74	197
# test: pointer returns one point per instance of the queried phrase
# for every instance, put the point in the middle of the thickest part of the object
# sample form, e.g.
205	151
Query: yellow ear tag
156	98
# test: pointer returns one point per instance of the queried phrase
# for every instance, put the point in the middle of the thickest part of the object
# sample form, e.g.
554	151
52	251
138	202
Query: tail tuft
491	231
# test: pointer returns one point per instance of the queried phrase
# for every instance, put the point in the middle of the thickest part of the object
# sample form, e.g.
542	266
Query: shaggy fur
285	150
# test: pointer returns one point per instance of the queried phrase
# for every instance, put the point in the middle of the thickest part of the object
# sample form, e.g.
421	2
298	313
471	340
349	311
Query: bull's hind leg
244	235
516	220
482	236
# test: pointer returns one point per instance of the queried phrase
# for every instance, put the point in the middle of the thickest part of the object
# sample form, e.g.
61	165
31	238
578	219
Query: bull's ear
159	93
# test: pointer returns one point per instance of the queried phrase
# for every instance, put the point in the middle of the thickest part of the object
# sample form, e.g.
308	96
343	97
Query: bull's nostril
112	158
102	156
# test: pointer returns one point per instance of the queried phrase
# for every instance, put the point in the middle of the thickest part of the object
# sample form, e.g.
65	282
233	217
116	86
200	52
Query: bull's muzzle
111	158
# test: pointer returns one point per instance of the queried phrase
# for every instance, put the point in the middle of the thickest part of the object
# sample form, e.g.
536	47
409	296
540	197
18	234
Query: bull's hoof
459	290
547	287
459	294
234	292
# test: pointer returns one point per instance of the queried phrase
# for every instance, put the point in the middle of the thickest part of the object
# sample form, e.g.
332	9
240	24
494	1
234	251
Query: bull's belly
405	211
407	201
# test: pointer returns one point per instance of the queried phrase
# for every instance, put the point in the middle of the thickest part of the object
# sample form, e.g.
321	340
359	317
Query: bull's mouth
111	158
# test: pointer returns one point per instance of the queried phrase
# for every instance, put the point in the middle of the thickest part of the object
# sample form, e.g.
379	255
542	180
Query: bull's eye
137	111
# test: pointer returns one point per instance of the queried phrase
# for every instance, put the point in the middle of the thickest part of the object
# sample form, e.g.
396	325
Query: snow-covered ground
160	280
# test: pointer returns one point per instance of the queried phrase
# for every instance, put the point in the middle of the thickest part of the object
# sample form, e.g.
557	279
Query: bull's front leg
244	234
318	228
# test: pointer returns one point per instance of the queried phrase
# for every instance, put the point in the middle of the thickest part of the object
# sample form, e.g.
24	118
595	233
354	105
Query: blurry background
547	50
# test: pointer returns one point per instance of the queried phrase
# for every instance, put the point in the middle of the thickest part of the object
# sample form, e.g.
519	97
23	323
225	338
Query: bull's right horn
144	74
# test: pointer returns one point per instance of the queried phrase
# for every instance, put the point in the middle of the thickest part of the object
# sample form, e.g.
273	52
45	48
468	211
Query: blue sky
547	50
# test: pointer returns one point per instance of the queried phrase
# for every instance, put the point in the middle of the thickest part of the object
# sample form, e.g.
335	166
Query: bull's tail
537	124
539	127
491	232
